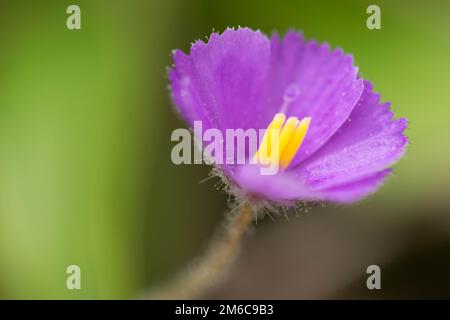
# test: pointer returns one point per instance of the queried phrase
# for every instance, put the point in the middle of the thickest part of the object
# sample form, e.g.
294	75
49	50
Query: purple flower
242	79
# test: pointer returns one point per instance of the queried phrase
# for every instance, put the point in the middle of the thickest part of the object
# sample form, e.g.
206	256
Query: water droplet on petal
291	93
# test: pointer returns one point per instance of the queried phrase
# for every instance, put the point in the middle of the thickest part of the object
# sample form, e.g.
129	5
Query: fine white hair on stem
210	268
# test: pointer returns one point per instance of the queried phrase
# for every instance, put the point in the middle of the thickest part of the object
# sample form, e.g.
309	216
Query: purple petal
286	188
354	191
368	142
227	80
188	95
280	187
326	84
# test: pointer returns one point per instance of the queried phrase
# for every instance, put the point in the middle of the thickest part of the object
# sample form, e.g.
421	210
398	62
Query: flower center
282	140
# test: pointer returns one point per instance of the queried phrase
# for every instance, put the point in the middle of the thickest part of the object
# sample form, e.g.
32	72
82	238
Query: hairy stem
210	268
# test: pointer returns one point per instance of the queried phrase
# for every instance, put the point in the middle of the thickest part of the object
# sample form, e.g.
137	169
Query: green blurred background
86	176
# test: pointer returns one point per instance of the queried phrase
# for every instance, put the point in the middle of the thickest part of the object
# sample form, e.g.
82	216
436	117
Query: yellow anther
295	143
286	139
286	133
271	137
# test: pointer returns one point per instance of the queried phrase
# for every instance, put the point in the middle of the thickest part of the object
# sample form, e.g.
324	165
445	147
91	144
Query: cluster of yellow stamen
282	140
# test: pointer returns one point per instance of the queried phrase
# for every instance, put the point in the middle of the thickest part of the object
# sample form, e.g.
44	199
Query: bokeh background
86	176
